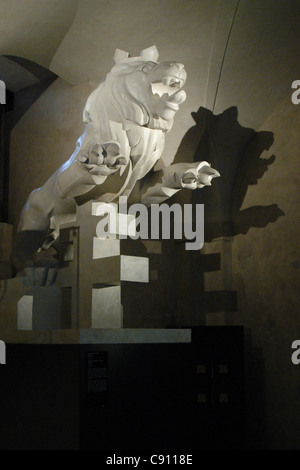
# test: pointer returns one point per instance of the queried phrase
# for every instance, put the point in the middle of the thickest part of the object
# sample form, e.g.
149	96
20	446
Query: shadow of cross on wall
235	151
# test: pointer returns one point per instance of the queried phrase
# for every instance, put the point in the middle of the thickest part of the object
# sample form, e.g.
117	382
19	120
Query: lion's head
139	89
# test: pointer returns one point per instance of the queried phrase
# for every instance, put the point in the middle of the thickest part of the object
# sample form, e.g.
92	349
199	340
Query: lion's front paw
189	175
199	176
102	160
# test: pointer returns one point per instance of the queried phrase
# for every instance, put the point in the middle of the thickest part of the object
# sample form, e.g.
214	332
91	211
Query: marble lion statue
126	119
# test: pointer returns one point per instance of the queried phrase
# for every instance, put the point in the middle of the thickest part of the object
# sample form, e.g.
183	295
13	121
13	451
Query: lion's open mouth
168	86
169	90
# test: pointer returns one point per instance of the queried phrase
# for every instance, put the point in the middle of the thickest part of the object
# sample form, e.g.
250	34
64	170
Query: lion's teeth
168	87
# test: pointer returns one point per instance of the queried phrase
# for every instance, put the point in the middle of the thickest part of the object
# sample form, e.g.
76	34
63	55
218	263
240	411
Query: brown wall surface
267	276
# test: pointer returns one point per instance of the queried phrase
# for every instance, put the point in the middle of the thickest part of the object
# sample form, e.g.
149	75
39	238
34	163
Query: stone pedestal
102	284
106	266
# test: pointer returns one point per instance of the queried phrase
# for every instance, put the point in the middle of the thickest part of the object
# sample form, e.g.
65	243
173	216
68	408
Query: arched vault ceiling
33	29
15	76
